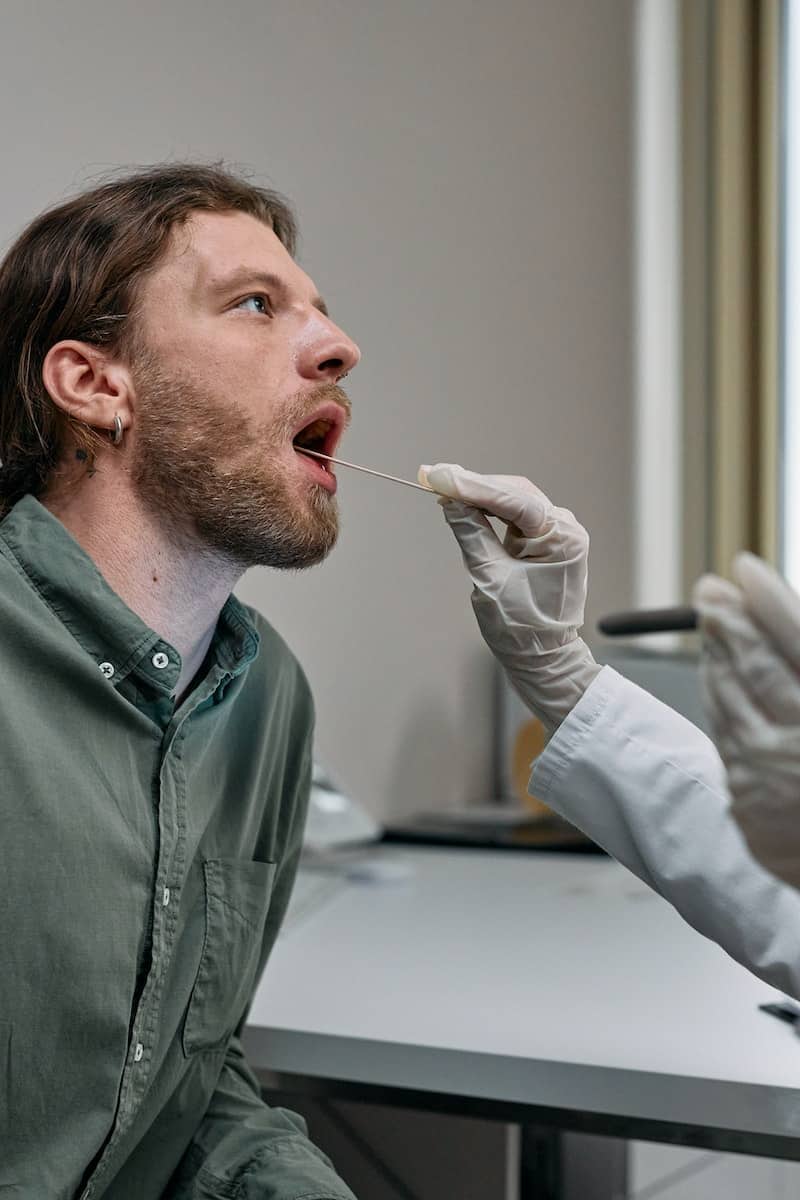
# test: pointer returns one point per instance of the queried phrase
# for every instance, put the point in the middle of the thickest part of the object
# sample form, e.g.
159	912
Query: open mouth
316	436
321	436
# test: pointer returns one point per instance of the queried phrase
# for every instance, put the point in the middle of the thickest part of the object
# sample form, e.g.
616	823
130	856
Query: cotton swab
381	475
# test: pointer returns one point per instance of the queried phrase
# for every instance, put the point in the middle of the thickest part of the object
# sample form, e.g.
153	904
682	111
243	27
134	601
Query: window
790	301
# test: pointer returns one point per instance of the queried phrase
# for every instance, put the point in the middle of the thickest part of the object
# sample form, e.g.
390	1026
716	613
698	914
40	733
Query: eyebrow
245	277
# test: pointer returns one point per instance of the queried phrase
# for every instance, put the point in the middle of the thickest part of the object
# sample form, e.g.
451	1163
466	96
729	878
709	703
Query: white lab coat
649	787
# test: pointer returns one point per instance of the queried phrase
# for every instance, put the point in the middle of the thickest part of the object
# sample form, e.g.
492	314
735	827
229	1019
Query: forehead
211	246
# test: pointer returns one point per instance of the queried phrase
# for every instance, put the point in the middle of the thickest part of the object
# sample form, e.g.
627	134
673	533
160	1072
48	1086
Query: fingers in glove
536	529
512	498
480	545
552	598
711	590
564	541
754	749
772	603
737	647
737	721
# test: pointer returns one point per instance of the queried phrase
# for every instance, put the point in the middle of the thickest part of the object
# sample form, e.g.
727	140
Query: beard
221	483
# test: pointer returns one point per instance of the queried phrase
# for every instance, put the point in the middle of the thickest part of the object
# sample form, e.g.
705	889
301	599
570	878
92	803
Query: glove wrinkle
529	591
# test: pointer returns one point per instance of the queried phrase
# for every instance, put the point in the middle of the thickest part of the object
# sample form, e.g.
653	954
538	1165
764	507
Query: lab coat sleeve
649	787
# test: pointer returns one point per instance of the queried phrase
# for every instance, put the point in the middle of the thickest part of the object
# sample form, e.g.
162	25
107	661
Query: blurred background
559	230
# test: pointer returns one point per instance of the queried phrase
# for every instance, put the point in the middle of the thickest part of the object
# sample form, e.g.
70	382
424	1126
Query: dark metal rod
648	620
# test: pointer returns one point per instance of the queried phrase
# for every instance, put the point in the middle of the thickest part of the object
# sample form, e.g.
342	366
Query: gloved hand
530	589
751	672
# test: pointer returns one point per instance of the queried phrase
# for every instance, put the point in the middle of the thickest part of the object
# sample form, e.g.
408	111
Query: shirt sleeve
649	787
245	1149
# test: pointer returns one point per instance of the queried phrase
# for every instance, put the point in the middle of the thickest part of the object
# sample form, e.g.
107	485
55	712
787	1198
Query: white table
550	990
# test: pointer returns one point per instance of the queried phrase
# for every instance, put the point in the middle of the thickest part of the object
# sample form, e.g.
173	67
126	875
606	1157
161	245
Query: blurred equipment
672	676
517	820
339	845
334	819
648	620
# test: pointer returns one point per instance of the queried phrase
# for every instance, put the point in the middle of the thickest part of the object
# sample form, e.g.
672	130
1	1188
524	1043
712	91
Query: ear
83	381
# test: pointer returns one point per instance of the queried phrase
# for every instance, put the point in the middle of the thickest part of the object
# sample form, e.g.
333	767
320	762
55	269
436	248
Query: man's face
235	354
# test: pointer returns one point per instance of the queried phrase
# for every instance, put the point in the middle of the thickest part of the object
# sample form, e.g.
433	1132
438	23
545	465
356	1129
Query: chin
287	541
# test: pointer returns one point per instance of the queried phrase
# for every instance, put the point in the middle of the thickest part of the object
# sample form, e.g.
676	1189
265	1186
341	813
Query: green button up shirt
148	852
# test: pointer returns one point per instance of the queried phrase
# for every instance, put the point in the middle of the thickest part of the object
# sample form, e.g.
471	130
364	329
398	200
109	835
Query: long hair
73	273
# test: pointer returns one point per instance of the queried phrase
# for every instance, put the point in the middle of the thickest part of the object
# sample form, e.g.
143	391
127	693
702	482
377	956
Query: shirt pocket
237	896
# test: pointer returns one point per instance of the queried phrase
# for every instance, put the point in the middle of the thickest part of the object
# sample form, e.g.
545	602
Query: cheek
202	357
227	358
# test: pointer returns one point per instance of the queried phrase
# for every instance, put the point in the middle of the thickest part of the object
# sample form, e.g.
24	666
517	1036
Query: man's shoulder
272	644
276	662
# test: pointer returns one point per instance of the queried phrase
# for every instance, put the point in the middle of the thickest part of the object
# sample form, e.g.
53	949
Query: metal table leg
555	1165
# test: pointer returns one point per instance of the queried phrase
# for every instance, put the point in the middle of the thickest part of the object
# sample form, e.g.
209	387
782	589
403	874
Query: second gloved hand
529	589
751	670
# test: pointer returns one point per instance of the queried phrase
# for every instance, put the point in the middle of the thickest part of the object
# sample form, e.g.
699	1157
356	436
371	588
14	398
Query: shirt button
138	1052
160	660
107	669
166	897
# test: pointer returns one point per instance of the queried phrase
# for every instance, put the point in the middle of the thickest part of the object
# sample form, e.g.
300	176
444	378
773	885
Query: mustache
324	394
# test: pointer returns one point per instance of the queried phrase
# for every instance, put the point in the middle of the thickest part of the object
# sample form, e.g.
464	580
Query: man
161	351
643	782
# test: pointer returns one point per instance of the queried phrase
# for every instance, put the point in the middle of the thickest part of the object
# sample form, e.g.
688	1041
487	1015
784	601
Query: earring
117	438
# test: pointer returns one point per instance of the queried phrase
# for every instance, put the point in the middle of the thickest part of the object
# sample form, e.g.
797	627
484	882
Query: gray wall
463	177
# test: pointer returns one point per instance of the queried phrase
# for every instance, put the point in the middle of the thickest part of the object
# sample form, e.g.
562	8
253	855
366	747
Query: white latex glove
751	672
530	589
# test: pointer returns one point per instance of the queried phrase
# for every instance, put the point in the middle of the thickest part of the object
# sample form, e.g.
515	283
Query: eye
259	303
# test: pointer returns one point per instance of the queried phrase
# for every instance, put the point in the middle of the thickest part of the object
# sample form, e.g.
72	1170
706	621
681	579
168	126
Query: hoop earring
117	438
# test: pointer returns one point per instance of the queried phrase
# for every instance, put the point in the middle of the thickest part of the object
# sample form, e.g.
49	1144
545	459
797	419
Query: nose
327	353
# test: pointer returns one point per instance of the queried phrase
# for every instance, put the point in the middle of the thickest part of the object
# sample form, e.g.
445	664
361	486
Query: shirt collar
118	640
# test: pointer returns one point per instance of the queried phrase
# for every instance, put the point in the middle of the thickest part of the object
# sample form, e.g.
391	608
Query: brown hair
73	274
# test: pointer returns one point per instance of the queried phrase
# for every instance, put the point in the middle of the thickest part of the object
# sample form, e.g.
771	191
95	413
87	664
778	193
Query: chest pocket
237	895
